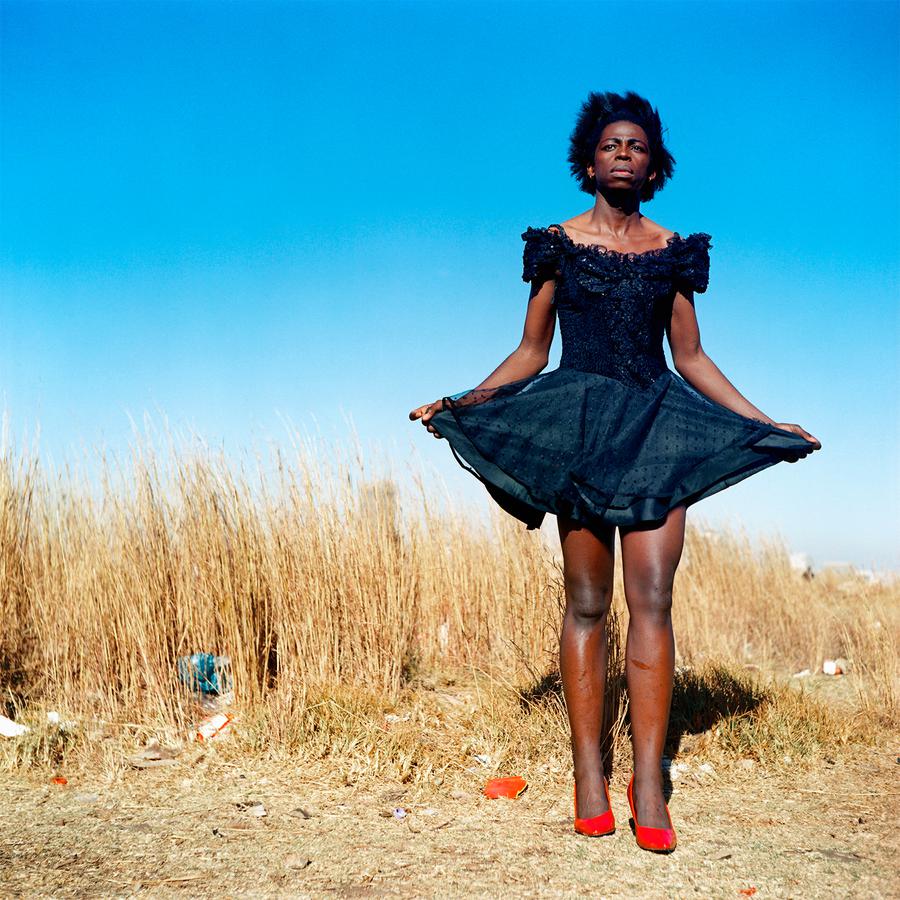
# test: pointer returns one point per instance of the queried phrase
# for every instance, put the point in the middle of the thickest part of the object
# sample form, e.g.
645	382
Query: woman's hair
596	113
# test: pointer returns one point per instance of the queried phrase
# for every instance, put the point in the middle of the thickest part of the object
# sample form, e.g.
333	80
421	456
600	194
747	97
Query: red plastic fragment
505	787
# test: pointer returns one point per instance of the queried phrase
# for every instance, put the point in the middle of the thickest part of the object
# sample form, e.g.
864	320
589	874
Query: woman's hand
425	413
796	429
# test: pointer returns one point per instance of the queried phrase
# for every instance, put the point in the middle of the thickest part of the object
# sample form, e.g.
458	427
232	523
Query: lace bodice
612	306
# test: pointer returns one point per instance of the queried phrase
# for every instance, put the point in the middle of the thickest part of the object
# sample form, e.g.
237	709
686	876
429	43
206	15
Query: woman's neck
615	212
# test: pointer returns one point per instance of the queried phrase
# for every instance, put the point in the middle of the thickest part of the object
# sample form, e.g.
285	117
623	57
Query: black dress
612	435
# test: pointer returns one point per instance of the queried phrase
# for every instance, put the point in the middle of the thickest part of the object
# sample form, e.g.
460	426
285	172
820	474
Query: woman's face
622	157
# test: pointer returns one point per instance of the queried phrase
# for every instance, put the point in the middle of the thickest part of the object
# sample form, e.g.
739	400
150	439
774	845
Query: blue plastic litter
205	673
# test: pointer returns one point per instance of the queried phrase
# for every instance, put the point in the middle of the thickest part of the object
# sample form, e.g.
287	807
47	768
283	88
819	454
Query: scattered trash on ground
53	719
804	673
400	813
483	758
212	726
252	807
835	667
509	788
205	673
60	780
10	729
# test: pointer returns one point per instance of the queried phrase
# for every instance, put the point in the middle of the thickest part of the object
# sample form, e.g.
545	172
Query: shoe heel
596	826
657	840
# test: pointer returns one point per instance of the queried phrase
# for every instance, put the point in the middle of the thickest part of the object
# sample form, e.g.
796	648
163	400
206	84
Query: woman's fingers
796	429
793	455
805	434
812	438
425	413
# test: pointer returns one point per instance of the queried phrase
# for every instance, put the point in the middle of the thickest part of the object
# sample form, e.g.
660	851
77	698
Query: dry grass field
388	653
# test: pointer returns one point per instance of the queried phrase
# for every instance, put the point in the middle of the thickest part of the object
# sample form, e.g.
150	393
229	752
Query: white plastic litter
253	807
835	667
53	719
11	729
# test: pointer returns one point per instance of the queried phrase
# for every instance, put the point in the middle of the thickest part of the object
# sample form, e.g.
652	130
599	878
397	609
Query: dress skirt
596	450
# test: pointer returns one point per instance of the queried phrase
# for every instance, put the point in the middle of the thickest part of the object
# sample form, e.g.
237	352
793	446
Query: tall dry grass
337	589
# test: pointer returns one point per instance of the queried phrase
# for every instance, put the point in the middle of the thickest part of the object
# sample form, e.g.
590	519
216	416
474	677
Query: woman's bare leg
650	557
588	559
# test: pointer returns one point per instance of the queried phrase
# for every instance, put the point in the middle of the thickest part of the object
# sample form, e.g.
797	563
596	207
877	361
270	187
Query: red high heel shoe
659	840
596	826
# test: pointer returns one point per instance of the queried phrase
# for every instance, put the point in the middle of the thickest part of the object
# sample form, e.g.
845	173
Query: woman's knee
587	600
650	601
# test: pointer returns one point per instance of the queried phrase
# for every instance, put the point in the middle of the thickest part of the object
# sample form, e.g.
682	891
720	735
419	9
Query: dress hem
589	505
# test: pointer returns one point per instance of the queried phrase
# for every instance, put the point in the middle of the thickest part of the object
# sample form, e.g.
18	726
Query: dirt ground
195	829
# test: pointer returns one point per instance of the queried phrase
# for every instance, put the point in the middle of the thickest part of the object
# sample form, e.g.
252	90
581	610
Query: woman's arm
529	358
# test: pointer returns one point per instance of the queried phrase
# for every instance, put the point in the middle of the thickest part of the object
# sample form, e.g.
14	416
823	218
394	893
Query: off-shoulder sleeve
692	263
540	258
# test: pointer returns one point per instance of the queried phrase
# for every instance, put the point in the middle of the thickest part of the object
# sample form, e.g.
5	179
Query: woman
613	437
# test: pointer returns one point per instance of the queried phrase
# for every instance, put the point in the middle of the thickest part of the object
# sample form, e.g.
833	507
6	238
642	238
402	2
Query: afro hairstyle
595	114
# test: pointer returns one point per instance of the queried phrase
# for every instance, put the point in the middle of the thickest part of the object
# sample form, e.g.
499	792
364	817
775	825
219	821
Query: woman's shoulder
692	261
544	238
542	232
695	243
544	246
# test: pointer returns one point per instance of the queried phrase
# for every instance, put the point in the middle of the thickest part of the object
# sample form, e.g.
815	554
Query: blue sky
229	214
